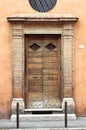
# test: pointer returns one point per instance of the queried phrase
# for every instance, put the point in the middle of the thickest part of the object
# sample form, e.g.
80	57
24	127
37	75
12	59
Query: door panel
49	54
32	54
35	60
30	77
36	82
50	59
50	65
34	95
33	66
51	88
35	71
43	71
50	77
53	95
50	71
34	85
34	88
50	82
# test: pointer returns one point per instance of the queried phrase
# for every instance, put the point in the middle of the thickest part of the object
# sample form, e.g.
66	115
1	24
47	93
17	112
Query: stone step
42	117
47	109
43	111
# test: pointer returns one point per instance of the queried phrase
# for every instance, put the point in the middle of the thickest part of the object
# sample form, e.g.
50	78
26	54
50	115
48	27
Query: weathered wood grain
43	71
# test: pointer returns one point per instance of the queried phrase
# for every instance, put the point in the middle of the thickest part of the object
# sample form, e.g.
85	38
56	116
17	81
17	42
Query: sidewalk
79	123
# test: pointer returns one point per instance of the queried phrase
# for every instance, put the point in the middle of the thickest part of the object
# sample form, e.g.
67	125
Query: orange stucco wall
75	7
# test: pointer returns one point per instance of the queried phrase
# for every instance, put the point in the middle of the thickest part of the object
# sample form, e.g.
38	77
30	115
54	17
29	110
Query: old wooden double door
43	71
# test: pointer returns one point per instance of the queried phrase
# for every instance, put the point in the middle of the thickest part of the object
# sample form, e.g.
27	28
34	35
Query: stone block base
70	105
21	105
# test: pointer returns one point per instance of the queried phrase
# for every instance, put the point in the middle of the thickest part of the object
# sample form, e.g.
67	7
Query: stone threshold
47	109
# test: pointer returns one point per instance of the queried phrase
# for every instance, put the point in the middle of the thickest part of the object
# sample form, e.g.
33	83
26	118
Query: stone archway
45	24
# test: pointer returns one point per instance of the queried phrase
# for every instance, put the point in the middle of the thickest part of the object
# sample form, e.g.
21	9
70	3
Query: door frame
43	24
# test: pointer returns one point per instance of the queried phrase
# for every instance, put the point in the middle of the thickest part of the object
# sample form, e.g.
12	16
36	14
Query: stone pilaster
18	65
67	67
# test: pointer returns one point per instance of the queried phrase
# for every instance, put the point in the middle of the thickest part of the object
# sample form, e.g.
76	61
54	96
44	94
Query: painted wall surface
75	7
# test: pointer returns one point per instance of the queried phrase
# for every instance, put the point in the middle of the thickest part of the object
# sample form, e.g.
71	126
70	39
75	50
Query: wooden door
43	71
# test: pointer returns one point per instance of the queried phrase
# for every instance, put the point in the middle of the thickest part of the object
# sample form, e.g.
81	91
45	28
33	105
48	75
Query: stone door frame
42	24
